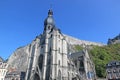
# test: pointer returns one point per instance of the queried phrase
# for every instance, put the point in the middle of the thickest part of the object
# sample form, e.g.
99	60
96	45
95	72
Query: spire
50	12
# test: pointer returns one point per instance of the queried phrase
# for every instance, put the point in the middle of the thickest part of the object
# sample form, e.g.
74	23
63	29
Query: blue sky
22	20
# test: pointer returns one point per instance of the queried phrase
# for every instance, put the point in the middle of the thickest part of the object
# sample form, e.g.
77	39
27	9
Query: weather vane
51	5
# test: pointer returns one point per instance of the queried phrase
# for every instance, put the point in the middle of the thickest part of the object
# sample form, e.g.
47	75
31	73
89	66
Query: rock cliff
114	40
75	41
18	60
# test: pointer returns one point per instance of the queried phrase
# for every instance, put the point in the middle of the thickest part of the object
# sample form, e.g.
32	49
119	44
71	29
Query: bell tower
54	51
49	61
49	22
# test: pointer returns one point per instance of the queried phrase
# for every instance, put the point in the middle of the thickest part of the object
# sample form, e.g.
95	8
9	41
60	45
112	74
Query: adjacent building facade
84	65
50	59
15	75
3	70
113	70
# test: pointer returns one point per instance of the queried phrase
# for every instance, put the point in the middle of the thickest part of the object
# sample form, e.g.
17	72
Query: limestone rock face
19	59
114	40
75	41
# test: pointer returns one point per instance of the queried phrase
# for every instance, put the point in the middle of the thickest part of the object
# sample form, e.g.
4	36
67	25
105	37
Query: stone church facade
51	60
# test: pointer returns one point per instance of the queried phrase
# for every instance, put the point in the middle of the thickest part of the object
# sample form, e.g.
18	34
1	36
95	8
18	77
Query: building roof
77	54
113	63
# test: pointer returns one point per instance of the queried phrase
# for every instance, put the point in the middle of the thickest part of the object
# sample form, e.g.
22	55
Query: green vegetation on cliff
103	55
78	48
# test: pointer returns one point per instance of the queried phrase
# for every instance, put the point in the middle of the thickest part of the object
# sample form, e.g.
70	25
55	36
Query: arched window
59	50
51	36
68	66
50	51
59	62
41	61
81	66
59	75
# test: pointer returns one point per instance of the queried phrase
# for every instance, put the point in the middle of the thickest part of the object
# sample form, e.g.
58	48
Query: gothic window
81	67
59	62
40	61
59	50
51	36
50	51
59	75
81	64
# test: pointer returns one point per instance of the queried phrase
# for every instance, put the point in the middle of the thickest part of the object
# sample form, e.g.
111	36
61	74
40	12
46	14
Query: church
51	59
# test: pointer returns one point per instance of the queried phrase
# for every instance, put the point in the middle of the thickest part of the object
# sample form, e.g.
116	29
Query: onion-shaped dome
49	20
